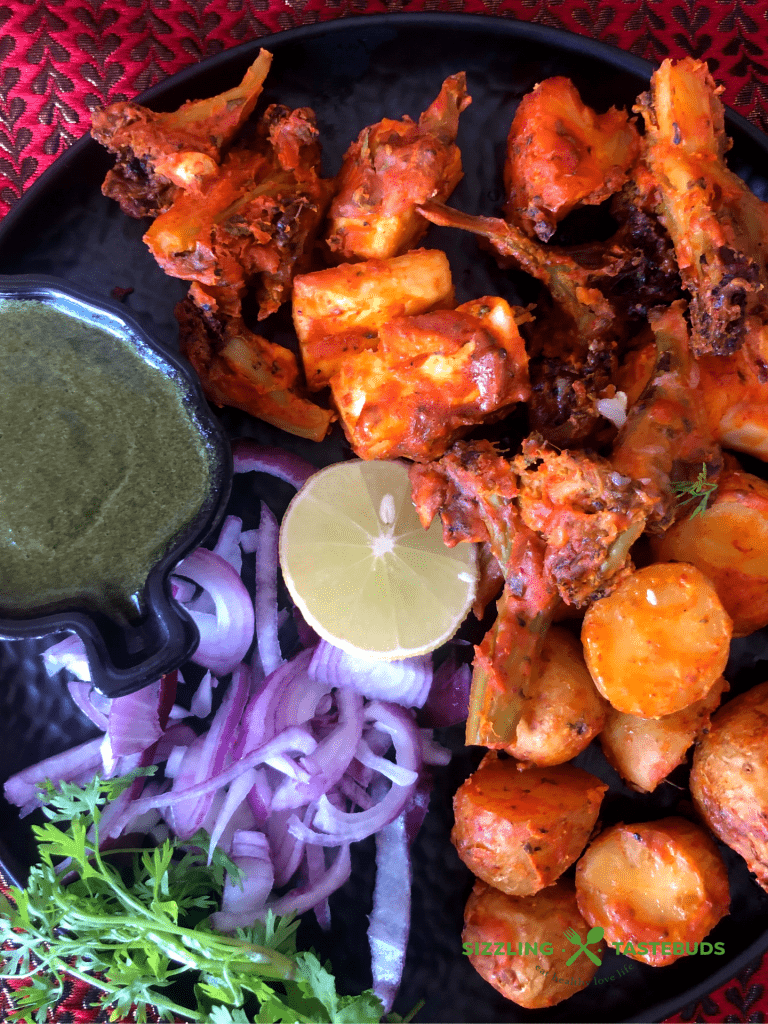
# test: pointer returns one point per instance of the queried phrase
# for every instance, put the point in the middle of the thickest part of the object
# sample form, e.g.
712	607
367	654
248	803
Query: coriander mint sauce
101	465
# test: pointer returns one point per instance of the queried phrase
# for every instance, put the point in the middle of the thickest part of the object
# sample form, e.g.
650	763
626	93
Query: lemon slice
364	572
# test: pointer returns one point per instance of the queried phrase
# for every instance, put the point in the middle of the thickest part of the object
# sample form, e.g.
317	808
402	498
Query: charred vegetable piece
391	168
159	154
338	311
431	378
241	369
718	226
254	222
667	436
561	155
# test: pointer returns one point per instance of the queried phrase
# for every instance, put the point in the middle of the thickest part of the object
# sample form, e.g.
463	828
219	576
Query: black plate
353	72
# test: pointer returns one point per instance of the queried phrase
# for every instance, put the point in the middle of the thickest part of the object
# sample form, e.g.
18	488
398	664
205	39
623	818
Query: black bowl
127	653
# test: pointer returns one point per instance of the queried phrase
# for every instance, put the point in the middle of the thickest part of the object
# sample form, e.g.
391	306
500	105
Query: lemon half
364	572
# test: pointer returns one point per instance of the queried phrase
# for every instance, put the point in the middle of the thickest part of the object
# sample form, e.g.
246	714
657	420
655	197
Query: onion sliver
306	897
247	456
69	654
226	637
405	682
266	591
81	762
297	740
389	923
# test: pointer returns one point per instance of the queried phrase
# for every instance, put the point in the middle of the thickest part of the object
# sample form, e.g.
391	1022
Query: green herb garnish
699	489
136	931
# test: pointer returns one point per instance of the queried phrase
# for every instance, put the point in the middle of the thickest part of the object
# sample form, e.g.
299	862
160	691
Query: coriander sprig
133	931
699	489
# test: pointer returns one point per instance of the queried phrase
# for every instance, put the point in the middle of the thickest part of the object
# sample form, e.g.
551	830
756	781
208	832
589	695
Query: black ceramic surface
124	655
353	72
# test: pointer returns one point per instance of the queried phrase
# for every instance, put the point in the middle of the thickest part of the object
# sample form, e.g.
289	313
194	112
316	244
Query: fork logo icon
593	935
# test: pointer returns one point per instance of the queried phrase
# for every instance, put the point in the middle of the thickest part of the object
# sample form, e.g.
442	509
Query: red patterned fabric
61	58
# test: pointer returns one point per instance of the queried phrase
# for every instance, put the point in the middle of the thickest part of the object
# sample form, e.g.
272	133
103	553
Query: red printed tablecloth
61	58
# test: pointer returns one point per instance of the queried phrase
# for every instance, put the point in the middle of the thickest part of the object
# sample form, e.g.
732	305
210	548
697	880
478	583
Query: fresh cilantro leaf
131	929
691	490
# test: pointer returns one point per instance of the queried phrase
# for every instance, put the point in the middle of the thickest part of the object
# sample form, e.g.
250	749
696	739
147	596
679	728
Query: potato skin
519	830
563	711
533	980
729	543
660	882
645	750
729	778
658	642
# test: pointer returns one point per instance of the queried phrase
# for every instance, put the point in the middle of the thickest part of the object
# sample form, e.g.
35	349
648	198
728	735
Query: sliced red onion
79	763
355	793
236	795
307	636
306	897
247	456
177	736
244	902
183	591
226	637
206	758
297	740
248	541
259	718
134	722
448	699
328	761
69	654
418	805
259	798
389	923
250	844
287	850
266	591
228	543
93	704
394	772
202	699
301	701
405	682
339	826
314	857
433	752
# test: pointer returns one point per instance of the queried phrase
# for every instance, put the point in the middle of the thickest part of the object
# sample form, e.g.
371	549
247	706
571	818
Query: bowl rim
166	627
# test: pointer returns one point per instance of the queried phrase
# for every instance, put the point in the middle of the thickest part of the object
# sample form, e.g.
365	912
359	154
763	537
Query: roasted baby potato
728	541
659	886
338	311
562	712
519	830
645	750
658	642
729	778
534	971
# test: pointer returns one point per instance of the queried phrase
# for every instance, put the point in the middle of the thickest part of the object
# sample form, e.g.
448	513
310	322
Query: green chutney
101	464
